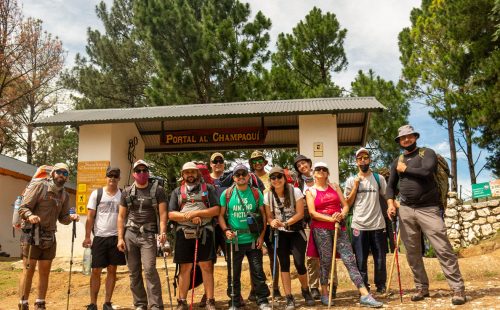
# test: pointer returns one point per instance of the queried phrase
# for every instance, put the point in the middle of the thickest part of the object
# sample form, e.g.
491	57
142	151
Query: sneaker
369	301
106	306
252	296
277	294
23	306
40	305
141	308
420	295
290	303
264	306
182	304
334	291
203	301
459	298
92	307
210	304
308	297
315	293
324	300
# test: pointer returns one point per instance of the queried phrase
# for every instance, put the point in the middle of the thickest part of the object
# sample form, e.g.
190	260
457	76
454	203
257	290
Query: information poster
91	175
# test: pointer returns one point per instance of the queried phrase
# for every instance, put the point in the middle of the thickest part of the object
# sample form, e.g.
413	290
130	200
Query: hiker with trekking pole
242	217
142	219
327	206
285	212
192	207
420	176
101	222
45	201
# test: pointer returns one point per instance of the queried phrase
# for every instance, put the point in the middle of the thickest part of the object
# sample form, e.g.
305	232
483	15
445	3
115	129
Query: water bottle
87	261
16	219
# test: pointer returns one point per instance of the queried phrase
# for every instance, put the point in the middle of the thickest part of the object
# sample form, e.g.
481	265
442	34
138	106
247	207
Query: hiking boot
459	298
40	305
210	304
334	292
324	300
264	306
369	301
315	293
420	294
23	306
106	306
182	304
92	307
242	301
381	290
252	297
308	297
290	303
203	301
277	294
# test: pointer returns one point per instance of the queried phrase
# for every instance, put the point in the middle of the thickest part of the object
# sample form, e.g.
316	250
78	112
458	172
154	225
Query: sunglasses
321	169
217	161
62	172
360	158
240	174
276	177
258	161
111	175
141	171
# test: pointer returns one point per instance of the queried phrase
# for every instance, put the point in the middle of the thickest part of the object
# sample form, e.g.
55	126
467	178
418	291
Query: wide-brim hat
299	158
257	154
406	130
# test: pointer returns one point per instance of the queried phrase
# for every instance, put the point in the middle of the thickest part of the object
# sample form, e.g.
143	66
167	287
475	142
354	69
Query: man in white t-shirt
101	220
363	193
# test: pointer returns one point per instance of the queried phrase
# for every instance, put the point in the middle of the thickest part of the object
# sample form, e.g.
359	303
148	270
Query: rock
496	211
480	221
498	218
496	226
463	243
493	203
483	212
471	236
486	230
467	224
491	219
480	205
467	207
468	216
453	234
477	229
459	208
452	194
451	212
456	226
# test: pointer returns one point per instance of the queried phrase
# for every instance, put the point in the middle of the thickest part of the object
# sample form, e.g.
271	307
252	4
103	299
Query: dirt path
481	272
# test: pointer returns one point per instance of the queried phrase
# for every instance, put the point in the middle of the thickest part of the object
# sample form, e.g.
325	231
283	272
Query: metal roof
215	110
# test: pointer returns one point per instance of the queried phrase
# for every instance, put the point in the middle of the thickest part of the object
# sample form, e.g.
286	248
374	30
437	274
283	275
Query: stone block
496	211
467	207
456	226
468	216
451	212
494	203
483	212
479	221
467	224
496	226
477	229
453	234
486	230
491	219
452	194
480	205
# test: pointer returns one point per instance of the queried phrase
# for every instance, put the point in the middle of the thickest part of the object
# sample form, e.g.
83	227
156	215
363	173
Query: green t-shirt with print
237	214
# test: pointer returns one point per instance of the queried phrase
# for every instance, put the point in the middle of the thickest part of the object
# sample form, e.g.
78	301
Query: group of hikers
239	212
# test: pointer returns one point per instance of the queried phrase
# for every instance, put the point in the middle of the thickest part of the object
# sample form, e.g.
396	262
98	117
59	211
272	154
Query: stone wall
467	224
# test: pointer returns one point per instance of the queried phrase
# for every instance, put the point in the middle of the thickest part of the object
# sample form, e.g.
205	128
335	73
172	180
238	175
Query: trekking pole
276	236
334	260
28	265
166	272
393	262
194	265
396	251
232	273
73	236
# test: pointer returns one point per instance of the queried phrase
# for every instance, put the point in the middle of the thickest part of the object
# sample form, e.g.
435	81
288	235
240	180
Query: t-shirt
289	211
107	213
237	213
265	180
367	214
142	211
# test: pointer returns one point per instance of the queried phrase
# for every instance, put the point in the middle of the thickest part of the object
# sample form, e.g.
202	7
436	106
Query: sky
371	43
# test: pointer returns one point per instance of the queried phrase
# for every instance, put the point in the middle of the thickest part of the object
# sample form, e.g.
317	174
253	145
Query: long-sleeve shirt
417	187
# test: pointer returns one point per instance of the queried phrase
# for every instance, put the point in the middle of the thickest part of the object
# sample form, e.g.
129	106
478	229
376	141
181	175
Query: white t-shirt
367	213
107	213
289	212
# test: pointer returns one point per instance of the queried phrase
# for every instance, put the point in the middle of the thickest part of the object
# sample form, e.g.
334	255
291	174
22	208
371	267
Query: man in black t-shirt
420	213
142	215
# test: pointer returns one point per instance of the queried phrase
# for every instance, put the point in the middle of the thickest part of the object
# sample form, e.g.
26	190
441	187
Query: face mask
411	147
364	168
141	178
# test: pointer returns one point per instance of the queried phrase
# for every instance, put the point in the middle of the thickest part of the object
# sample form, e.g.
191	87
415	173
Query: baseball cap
320	164
215	155
362	150
59	166
190	166
141	162
240	167
276	169
115	169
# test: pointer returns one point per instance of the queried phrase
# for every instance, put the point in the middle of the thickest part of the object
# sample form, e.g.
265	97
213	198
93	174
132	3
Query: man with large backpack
101	221
363	193
192	207
414	173
44	202
241	218
142	215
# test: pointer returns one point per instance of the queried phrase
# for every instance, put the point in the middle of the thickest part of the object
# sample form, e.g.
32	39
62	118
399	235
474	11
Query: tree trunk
453	152
470	156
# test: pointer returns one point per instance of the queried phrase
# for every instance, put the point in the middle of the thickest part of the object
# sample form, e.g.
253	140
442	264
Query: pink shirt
326	202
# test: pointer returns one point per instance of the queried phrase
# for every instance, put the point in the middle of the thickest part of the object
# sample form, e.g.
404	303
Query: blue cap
240	167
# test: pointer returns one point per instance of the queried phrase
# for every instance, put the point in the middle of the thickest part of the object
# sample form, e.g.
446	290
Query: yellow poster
91	175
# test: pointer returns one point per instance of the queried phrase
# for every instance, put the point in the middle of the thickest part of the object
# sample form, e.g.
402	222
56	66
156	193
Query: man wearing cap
44	203
236	206
192	206
101	220
419	212
142	214
363	193
257	164
217	165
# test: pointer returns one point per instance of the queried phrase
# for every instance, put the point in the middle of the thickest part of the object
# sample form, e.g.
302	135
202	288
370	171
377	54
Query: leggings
292	243
324	243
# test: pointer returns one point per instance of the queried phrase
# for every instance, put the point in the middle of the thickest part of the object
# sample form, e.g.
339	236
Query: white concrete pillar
320	131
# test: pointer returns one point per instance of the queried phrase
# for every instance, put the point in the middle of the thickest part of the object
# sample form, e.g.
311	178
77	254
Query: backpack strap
256	196
182	196
100	191
377	178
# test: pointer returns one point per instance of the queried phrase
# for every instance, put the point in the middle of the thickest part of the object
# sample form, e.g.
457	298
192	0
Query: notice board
91	175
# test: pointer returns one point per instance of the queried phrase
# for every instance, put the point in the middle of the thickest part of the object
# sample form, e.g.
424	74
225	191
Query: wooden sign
91	175
245	135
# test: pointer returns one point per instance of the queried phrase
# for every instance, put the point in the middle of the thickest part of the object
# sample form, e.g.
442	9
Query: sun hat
406	130
299	158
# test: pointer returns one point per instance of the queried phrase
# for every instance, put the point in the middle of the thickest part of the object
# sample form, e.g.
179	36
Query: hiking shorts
39	254
184	248
105	252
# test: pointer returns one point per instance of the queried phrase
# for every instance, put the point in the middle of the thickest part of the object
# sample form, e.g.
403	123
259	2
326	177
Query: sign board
481	190
91	175
245	135
318	149
495	188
